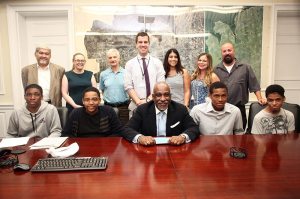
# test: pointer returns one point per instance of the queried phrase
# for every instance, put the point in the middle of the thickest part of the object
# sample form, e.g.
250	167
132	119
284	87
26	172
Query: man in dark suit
176	123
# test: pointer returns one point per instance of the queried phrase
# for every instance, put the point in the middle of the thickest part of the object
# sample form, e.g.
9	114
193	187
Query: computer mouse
21	167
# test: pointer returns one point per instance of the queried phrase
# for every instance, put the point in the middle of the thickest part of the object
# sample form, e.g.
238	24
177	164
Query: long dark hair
179	68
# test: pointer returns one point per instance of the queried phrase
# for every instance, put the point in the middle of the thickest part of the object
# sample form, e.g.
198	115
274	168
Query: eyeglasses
238	153
79	61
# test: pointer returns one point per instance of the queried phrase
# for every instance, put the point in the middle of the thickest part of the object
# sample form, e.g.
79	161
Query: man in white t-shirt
274	119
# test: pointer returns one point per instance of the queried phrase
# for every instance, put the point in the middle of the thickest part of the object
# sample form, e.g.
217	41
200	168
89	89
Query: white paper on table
162	140
49	142
63	152
10	142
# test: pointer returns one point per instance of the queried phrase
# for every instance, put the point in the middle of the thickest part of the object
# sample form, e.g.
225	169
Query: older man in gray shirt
217	117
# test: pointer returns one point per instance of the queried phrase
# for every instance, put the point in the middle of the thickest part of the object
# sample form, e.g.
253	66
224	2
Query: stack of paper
49	142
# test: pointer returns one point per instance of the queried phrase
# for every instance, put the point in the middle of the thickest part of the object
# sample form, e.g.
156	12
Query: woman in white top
177	77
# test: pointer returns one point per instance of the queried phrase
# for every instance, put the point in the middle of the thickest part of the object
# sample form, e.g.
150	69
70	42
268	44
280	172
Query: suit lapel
152	120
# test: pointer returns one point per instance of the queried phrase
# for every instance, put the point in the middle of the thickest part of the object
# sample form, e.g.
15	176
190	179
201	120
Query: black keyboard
70	164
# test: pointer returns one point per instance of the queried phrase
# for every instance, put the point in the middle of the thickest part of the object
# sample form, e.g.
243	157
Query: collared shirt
112	86
158	112
212	122
240	81
44	78
135	77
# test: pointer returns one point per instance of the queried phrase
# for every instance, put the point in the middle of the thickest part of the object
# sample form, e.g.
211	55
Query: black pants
243	112
123	111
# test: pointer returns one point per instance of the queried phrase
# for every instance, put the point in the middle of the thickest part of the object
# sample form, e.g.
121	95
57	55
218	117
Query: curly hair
208	72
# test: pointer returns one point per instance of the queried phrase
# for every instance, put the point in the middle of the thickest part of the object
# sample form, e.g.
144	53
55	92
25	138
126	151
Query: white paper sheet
10	142
162	140
63	152
49	142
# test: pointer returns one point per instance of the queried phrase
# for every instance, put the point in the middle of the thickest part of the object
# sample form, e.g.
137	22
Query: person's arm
260	99
186	87
132	94
55	126
256	126
214	78
93	81
12	130
24	77
191	128
65	92
290	123
238	124
71	124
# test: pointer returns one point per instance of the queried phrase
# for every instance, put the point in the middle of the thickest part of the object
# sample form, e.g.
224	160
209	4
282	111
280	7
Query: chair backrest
63	115
295	109
255	107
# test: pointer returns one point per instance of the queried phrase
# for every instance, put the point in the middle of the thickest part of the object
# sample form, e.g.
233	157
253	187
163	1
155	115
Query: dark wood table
202	169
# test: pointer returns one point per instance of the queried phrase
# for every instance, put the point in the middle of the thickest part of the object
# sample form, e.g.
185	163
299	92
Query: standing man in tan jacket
45	74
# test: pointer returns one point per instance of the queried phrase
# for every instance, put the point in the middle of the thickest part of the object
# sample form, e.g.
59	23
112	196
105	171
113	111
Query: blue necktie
161	123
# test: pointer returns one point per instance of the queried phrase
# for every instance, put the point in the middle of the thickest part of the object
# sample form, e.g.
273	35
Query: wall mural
189	29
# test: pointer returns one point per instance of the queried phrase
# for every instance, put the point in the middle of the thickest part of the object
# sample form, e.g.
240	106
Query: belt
117	104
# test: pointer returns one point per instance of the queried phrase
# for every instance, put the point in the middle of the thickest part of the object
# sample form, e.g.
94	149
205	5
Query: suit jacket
179	121
30	76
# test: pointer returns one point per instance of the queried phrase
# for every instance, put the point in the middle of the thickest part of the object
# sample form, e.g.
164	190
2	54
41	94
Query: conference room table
201	169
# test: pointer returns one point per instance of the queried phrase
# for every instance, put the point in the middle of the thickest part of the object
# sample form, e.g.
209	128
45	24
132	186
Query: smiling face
43	57
161	96
203	62
91	101
172	59
78	62
142	45
218	98
113	59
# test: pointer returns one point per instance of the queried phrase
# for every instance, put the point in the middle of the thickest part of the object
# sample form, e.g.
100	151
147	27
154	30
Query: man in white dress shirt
141	69
217	117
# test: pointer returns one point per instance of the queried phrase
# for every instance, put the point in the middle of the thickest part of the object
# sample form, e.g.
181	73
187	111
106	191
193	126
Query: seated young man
92	120
274	119
36	118
217	117
161	117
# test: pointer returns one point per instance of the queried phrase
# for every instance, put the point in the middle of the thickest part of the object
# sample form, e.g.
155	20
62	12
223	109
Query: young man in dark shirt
92	120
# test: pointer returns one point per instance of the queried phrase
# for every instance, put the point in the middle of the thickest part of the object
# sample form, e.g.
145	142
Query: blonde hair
208	72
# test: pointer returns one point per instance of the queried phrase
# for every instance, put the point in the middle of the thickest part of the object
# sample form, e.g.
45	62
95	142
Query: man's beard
228	59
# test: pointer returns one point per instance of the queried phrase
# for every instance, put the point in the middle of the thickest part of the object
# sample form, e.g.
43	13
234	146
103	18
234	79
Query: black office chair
63	115
255	107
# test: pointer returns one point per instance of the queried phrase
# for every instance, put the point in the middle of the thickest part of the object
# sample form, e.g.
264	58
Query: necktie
145	67
161	124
